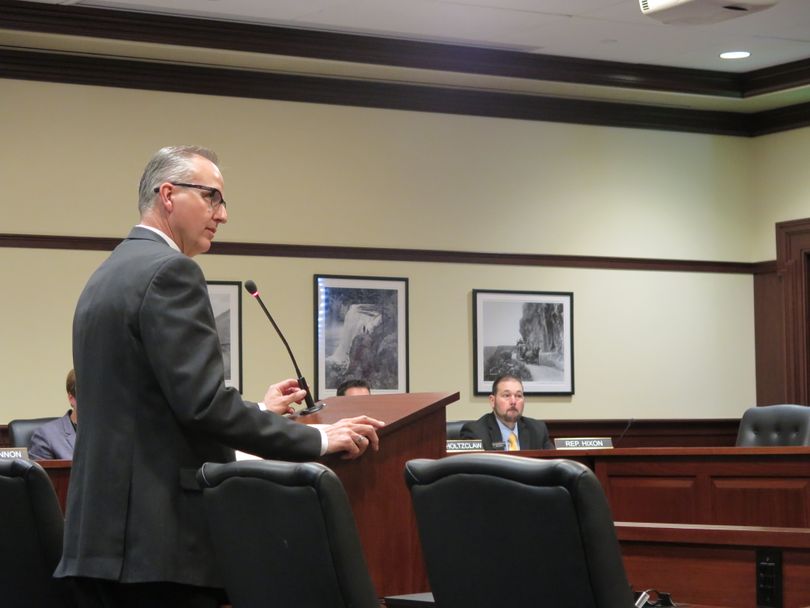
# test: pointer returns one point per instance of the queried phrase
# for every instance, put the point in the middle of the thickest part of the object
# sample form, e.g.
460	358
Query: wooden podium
415	428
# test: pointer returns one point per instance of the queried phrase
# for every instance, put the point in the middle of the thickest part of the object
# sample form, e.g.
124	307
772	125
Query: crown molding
777	78
253	38
169	75
148	75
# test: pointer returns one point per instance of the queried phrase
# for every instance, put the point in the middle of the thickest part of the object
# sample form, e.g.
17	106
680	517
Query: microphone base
317	407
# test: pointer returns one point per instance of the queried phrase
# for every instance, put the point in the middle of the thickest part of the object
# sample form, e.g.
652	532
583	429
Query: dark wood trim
780	119
472	257
766	267
33	241
42	241
149	75
776	78
208	33
699	534
769	337
713	566
793	268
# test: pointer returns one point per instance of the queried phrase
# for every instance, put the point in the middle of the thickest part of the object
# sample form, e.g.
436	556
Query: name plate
465	445
10	453
583	443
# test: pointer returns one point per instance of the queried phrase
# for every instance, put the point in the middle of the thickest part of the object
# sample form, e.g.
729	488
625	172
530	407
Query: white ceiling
613	30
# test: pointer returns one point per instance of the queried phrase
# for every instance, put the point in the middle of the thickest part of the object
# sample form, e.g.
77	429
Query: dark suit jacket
54	440
154	409
533	434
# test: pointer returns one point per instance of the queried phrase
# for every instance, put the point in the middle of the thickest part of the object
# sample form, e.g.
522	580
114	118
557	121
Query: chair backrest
20	430
31	541
775	425
284	535
454	428
505	530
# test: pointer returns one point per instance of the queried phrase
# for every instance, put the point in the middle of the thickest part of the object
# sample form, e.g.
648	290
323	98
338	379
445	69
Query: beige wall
647	345
312	173
782	188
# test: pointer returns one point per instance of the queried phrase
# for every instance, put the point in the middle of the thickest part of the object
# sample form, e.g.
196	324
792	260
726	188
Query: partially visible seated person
353	388
54	440
505	427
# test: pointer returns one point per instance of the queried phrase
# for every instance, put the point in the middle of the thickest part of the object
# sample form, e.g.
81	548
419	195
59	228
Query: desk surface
410	600
731	451
425	600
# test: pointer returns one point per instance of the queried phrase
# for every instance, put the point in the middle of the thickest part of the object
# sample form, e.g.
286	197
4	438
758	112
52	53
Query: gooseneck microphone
312	407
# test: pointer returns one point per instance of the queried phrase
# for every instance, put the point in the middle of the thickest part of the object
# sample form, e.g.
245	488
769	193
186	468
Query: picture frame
361	332
226	302
529	334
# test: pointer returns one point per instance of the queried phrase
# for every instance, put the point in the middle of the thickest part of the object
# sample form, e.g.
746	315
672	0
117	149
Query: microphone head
251	287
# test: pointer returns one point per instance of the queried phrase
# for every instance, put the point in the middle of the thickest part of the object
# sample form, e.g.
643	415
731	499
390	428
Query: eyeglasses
214	196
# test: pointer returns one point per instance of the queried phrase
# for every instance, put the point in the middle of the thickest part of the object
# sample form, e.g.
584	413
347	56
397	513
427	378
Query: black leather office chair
284	535
775	425
454	428
501	530
20	430
31	538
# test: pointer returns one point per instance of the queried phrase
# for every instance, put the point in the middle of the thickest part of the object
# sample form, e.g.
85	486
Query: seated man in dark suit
54	440
505	428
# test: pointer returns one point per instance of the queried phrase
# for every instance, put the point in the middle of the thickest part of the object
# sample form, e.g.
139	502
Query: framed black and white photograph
528	334
227	306
361	333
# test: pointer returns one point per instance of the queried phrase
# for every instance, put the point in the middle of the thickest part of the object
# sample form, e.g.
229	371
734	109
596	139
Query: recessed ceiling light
735	55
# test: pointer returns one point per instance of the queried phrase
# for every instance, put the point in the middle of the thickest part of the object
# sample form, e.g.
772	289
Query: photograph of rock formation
361	338
528	335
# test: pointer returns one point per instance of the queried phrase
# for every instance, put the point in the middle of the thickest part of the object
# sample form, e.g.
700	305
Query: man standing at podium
505	428
155	407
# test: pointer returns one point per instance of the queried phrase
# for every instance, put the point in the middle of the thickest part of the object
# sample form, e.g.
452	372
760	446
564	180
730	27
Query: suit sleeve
547	443
179	335
40	446
467	432
477	430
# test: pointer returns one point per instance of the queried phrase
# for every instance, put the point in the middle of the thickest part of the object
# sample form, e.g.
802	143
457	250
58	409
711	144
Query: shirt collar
162	235
506	431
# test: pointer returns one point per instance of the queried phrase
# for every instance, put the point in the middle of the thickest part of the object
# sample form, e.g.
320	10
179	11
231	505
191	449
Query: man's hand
353	436
280	396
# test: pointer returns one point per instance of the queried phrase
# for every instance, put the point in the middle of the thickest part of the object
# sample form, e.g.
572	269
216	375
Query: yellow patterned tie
513	444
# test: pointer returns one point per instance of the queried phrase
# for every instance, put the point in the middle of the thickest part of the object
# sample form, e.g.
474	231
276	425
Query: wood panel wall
769	338
792	253
782	318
